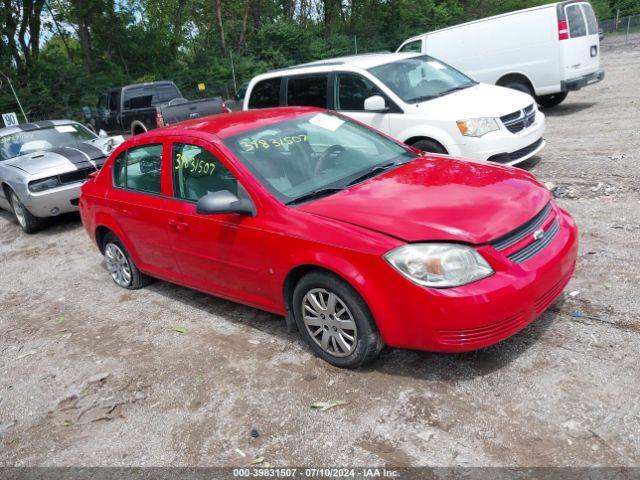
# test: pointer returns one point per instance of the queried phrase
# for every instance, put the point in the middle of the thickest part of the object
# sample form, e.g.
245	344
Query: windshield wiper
321	192
455	89
372	172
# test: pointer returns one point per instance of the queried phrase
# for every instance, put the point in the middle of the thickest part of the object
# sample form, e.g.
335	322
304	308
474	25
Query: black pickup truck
135	109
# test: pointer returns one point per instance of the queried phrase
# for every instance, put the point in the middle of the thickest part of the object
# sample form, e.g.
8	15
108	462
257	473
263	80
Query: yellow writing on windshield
251	145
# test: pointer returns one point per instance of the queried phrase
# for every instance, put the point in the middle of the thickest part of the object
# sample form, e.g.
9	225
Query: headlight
439	264
477	127
44	184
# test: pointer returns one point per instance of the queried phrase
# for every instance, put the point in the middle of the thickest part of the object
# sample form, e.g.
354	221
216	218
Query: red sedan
358	240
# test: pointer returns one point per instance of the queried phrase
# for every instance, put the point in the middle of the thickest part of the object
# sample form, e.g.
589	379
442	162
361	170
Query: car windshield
417	79
21	143
315	154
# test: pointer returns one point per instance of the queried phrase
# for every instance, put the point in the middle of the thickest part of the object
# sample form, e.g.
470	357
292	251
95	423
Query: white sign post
10	119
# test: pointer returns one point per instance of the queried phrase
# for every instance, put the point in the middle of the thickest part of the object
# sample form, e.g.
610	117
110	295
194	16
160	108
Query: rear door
139	205
580	52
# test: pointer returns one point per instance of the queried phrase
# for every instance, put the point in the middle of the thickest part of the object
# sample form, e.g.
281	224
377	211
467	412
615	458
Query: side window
164	93
196	172
352	90
265	94
577	27
308	91
139	169
592	22
412	47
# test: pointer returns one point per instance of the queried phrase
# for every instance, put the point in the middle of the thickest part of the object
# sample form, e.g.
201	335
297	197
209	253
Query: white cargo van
545	51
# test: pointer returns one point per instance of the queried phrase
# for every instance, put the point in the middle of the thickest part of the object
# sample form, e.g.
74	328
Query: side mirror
102	134
224	201
375	103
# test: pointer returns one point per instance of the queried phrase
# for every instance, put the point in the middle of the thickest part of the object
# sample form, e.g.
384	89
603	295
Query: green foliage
88	46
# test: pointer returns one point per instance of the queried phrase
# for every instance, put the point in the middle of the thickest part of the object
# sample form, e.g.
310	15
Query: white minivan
414	98
545	51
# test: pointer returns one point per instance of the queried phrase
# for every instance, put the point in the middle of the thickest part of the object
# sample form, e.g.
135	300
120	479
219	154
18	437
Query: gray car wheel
123	270
28	222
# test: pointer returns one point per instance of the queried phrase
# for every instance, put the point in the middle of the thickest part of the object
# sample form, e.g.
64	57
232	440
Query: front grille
537	246
468	336
77	176
518	121
523	230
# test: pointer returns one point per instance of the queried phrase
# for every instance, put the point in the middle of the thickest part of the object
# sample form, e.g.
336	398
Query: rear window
308	91
577	27
592	22
159	93
265	94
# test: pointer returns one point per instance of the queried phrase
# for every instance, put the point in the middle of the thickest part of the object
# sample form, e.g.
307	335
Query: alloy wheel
329	322
18	210
118	265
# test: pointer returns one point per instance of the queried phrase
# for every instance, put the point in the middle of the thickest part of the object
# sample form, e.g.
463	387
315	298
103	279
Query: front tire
27	221
431	146
335	321
553	100
123	270
520	86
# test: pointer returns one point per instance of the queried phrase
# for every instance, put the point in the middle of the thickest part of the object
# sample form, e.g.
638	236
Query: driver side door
223	254
350	92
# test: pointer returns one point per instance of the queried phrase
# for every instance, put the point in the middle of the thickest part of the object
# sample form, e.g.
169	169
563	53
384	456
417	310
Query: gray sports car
43	165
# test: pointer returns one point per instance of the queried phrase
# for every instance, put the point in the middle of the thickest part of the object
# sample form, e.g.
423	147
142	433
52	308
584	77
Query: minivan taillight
159	119
563	30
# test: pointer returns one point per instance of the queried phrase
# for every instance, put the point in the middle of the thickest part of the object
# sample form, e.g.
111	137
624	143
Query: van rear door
580	46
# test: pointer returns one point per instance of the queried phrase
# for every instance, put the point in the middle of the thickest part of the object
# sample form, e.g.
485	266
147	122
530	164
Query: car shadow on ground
50	226
394	362
567	109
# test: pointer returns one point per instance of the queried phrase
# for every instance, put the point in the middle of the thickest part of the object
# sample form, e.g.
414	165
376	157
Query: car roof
229	124
27	127
363	61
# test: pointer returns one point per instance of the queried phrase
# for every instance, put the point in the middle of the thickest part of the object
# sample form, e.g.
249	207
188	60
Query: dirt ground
93	375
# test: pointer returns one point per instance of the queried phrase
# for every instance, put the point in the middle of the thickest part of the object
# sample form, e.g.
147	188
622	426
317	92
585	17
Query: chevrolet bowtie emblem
538	234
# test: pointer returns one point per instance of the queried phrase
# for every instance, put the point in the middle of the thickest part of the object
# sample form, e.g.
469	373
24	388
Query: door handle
124	211
178	225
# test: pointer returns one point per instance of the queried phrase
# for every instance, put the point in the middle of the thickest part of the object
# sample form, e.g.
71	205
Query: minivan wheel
334	321
550	101
430	146
120	265
27	221
522	87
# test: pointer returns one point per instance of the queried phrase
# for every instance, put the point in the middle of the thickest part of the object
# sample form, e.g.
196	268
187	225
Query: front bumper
482	313
580	82
49	203
504	143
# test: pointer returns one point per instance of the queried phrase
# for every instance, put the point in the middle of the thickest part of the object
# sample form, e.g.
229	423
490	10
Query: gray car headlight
477	127
44	184
439	265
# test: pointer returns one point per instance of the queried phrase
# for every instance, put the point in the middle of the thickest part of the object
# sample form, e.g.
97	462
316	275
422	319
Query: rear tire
550	101
335	321
123	270
520	86
427	145
27	221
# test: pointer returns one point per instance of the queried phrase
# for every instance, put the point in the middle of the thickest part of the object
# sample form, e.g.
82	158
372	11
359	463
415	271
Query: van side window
412	47
265	94
577	27
592	22
352	90
139	169
308	91
197	171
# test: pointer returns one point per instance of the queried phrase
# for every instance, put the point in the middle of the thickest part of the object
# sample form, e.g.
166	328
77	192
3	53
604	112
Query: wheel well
412	140
294	276
516	78
101	232
6	189
137	128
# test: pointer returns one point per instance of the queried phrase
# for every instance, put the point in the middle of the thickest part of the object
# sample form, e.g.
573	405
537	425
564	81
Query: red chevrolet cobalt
359	241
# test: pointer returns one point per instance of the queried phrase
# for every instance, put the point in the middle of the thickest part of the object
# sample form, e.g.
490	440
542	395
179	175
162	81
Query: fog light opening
55	211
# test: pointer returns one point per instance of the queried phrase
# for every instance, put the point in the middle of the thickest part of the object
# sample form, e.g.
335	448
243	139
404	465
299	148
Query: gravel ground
93	375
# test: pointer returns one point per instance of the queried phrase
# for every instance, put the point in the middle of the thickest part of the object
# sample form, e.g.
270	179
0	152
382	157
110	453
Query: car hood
439	198
69	158
481	100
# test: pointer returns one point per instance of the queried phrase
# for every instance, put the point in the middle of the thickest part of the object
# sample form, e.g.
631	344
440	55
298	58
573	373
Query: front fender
438	134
